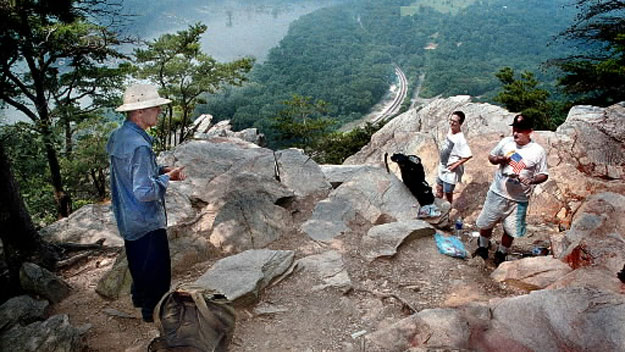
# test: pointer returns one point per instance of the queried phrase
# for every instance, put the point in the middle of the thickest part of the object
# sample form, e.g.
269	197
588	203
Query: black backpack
413	175
193	320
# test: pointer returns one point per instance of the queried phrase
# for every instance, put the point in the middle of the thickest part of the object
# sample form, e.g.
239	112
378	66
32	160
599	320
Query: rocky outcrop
571	319
241	199
585	154
597	235
203	128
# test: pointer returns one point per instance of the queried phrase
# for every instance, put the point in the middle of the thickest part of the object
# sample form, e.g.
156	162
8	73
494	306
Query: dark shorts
447	187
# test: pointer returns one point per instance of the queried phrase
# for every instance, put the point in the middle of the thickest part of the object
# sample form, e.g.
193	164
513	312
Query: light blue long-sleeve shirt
137	183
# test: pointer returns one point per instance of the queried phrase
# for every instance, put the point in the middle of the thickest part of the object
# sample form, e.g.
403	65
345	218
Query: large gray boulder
42	282
596	137
86	225
531	273
21	310
241	277
569	319
53	335
372	193
597	235
244	212
204	160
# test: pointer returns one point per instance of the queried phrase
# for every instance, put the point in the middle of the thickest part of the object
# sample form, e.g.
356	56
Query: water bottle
458	226
536	251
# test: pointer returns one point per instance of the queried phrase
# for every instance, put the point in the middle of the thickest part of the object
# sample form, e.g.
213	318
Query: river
236	28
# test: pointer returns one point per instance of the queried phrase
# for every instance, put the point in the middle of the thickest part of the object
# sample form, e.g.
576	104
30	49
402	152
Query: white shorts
499	209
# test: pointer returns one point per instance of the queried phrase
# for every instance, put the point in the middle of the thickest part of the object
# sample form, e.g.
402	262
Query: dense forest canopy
344	54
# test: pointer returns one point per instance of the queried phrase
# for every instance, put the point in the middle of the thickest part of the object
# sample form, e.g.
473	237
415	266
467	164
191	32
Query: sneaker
482	252
499	258
621	275
137	303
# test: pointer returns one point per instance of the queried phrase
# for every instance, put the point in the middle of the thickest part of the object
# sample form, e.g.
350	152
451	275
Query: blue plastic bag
450	245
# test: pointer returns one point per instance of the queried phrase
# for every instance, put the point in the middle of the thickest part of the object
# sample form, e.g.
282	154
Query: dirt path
294	317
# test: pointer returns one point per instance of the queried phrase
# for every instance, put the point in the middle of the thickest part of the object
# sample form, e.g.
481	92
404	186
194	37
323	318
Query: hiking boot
148	319
499	258
621	275
482	252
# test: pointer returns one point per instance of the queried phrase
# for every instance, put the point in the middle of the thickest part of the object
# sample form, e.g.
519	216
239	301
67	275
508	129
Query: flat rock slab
241	277
327	267
531	273
384	240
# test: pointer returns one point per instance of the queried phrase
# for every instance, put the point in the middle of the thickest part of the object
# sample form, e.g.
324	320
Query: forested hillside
344	55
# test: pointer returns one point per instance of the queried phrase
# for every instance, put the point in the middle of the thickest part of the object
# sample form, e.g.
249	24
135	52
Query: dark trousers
150	268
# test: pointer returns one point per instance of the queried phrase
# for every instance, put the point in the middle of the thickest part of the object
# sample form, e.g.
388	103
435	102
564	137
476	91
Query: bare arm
497	159
540	178
453	166
175	174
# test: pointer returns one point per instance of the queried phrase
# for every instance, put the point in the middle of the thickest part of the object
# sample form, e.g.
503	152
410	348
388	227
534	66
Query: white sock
502	249
483	242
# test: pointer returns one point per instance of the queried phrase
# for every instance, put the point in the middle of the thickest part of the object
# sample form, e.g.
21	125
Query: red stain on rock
579	257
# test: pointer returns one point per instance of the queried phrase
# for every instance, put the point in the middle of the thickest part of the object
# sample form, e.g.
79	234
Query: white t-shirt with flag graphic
528	160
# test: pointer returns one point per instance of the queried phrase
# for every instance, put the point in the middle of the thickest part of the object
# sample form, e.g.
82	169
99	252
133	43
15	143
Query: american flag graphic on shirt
516	161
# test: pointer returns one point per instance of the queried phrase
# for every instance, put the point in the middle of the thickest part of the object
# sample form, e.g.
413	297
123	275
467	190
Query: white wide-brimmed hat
141	96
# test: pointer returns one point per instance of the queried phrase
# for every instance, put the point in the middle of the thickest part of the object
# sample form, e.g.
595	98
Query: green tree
302	123
523	95
176	63
335	147
597	76
25	149
55	56
87	168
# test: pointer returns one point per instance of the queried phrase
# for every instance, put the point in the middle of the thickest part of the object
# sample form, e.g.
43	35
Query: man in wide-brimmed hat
138	188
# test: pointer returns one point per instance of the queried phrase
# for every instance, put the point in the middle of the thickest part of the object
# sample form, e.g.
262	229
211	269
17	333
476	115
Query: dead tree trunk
21	242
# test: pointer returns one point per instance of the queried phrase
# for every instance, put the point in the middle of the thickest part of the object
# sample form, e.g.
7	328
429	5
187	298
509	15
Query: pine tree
54	56
523	96
598	76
